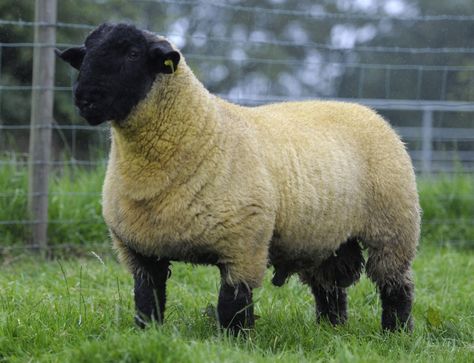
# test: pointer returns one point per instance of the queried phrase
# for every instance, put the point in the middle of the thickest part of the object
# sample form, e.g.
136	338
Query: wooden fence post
427	141
42	98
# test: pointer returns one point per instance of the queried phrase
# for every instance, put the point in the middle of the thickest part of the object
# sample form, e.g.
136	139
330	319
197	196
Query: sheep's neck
170	132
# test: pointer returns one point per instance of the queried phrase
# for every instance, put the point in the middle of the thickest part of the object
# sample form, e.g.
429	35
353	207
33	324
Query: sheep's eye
133	55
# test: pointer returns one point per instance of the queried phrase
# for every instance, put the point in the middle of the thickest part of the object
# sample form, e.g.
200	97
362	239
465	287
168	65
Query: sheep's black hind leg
150	277
396	306
392	275
331	304
235	307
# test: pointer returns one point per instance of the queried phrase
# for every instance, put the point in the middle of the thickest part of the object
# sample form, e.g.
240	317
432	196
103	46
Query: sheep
300	186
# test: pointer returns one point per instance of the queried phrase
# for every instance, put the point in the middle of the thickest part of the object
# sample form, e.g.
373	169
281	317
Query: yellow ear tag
169	63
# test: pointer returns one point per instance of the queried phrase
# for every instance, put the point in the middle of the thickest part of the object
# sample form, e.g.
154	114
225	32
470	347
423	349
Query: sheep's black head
117	66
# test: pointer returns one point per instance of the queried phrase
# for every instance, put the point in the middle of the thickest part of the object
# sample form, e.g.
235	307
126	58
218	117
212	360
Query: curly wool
189	172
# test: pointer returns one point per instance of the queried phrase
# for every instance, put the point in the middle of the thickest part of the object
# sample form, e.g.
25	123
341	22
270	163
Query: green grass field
80	309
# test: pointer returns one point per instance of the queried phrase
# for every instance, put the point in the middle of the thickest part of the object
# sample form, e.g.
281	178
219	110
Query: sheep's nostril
87	99
83	102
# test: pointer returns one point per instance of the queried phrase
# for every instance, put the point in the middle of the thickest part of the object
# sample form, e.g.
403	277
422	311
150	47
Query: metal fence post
41	119
427	140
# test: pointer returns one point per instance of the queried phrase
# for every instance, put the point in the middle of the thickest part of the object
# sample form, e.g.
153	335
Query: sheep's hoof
235	308
331	304
237	330
143	322
391	323
140	322
240	327
333	318
280	276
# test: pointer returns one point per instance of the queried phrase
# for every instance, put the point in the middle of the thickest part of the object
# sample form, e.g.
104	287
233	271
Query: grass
80	310
447	202
74	206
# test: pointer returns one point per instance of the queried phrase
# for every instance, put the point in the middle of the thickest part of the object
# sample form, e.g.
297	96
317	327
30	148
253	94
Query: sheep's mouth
106	108
95	112
93	117
94	121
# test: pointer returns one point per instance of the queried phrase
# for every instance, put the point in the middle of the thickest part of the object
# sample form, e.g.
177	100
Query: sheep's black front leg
331	303
150	289
235	307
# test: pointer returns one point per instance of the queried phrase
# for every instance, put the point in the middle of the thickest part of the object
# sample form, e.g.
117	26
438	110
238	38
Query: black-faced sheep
194	178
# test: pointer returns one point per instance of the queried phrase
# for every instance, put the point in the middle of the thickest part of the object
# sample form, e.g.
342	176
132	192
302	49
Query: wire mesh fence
249	55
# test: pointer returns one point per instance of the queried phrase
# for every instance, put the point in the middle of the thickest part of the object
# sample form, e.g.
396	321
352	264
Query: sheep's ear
73	56
164	58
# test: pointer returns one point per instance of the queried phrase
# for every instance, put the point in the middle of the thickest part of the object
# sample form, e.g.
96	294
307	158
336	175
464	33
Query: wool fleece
191	175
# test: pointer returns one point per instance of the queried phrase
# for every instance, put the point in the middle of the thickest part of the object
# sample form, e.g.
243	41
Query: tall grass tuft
74	208
13	202
448	209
